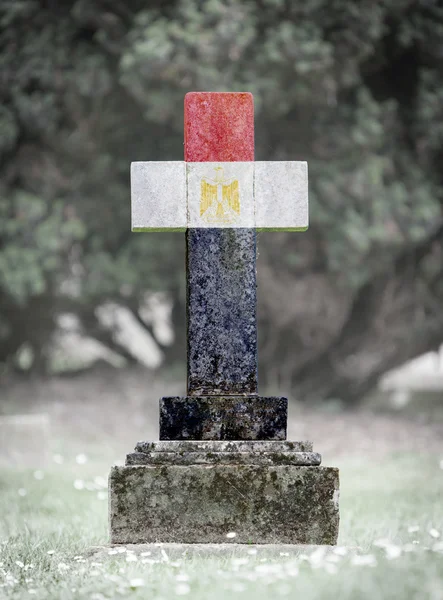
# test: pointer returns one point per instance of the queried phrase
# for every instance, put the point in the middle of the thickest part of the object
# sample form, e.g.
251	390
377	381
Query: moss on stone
262	504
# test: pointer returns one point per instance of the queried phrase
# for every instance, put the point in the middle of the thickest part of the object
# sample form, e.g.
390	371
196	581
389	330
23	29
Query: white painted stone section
158	195
268	195
217	205
281	195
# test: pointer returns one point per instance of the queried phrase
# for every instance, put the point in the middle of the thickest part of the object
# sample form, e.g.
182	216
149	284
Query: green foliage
36	240
352	88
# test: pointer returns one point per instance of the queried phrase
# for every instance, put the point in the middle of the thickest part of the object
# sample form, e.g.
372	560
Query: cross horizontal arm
176	195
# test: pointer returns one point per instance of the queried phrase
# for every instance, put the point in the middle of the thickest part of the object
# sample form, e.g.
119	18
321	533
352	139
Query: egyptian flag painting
220	199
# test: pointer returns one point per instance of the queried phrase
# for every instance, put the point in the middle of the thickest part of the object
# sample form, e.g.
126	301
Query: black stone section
223	418
221	311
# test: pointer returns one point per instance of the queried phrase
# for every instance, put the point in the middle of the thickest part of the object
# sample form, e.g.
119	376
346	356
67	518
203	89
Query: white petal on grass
316	557
292	569
382	543
101	495
50	552
268	568
333	558
252	551
19	564
63	567
164	555
434	533
409	548
136	583
81	459
413	528
364	560
284	553
145	553
121	550
340	551
331	568
182	589
22	492
241	560
231	535
39	475
100	482
113	551
131	558
79	484
392	552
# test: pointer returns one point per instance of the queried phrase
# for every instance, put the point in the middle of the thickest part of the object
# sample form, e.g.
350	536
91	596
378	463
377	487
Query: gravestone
223	470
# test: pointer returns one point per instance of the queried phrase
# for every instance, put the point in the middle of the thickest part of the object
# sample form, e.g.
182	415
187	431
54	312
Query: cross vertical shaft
221	263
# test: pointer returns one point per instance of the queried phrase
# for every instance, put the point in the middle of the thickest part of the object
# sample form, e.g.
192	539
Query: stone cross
223	470
220	196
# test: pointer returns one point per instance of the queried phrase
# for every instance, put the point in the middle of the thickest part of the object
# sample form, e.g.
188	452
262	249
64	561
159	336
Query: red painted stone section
219	127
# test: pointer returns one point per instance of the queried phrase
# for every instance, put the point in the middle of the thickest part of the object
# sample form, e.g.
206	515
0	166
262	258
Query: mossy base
204	503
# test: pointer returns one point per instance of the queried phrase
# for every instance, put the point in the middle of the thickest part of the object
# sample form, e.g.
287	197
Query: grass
391	506
48	526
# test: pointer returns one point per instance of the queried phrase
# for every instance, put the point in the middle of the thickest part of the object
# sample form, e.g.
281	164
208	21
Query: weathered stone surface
281	195
224	446
221	452
223	418
236	458
221	309
158	196
190	504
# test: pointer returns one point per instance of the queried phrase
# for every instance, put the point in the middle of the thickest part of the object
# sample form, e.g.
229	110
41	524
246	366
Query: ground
51	517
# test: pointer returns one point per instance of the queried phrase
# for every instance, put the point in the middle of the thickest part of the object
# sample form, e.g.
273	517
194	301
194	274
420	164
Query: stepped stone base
199	492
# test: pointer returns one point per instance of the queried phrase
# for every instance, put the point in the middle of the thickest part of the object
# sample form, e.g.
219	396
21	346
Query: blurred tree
354	88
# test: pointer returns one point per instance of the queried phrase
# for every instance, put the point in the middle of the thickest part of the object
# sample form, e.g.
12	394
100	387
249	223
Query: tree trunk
392	318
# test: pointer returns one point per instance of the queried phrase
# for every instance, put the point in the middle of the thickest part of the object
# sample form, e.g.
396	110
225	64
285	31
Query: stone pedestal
265	492
234	417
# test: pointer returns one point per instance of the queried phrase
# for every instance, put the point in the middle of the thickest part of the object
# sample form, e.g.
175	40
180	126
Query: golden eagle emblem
220	199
